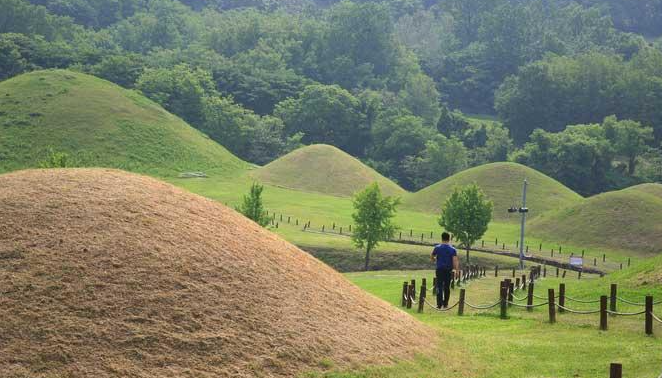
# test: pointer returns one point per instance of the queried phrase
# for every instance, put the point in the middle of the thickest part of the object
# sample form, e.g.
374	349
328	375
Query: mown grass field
480	344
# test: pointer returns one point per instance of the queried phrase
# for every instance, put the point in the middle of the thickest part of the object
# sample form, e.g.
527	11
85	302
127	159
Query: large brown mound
109	274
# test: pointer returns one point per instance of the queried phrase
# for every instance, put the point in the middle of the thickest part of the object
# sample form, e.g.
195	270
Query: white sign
576	261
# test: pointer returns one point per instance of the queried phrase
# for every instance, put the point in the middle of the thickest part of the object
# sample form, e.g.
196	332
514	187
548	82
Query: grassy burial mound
653	189
98	123
629	219
323	169
111	274
502	183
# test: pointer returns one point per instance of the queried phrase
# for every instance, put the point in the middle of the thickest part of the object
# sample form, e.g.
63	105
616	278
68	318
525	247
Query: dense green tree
580	156
122	69
441	158
252	206
420	97
180	90
466	214
629	139
326	114
373	219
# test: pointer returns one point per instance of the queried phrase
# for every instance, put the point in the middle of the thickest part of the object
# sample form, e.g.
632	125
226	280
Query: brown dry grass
110	274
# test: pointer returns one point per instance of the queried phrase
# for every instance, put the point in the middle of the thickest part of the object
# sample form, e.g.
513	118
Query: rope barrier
520	299
625	313
656	318
527	306
636	303
539	297
482	307
441	309
582	300
577	311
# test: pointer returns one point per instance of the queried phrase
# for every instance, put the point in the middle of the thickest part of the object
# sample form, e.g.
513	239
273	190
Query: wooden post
551	305
460	308
513	272
482	243
431	235
400	237
281	217
582	253
405	293
621	266
340	230
564	272
649	315
552	252
411	232
350	228
544	271
496	271
559	250
540	248
517	281
561	297
421	298
603	313
504	298
579	274
434	285
604	257
323	226
510	292
413	291
612	297
527	249
595	261
557	272
410	291
297	222
288	220
504	246
523	281
496	241
615	371
529	298
628	262
334	225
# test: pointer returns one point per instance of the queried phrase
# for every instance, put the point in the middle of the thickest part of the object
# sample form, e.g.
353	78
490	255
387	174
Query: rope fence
554	302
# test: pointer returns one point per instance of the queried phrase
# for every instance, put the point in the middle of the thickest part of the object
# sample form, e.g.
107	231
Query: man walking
447	260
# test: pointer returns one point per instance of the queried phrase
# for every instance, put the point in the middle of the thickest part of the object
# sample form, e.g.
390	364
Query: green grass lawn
480	344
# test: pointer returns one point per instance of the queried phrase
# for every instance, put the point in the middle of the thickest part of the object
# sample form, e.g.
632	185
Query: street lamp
522	210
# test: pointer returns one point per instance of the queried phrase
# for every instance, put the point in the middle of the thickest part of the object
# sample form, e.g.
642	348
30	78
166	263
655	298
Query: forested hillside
385	81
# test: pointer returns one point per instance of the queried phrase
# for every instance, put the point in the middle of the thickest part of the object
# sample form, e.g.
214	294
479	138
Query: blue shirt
444	253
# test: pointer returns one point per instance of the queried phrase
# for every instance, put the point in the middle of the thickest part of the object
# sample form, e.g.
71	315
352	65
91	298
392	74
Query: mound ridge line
111	274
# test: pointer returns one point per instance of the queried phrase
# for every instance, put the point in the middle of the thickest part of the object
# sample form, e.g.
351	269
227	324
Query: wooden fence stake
564	272
649	315
603	313
410	291
496	271
561	297
511	287
405	293
544	271
551	305
557	272
615	371
579	275
523	281
513	272
628	262
613	293
421	298
529	298
604	257
460	308
413	291
517	281
504	299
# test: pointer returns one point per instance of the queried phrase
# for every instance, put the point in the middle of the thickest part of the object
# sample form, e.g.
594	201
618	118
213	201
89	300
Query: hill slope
161	282
625	219
324	169
502	183
98	124
653	189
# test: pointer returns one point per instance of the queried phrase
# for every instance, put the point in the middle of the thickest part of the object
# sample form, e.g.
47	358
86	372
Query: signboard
576	261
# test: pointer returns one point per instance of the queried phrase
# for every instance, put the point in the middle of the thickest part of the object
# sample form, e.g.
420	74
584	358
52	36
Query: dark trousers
443	286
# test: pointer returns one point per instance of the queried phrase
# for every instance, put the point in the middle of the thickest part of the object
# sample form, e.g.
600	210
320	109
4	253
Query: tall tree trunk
367	259
631	165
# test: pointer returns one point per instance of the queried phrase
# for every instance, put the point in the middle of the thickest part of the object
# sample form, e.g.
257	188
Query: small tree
372	219
56	159
466	214
252	206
